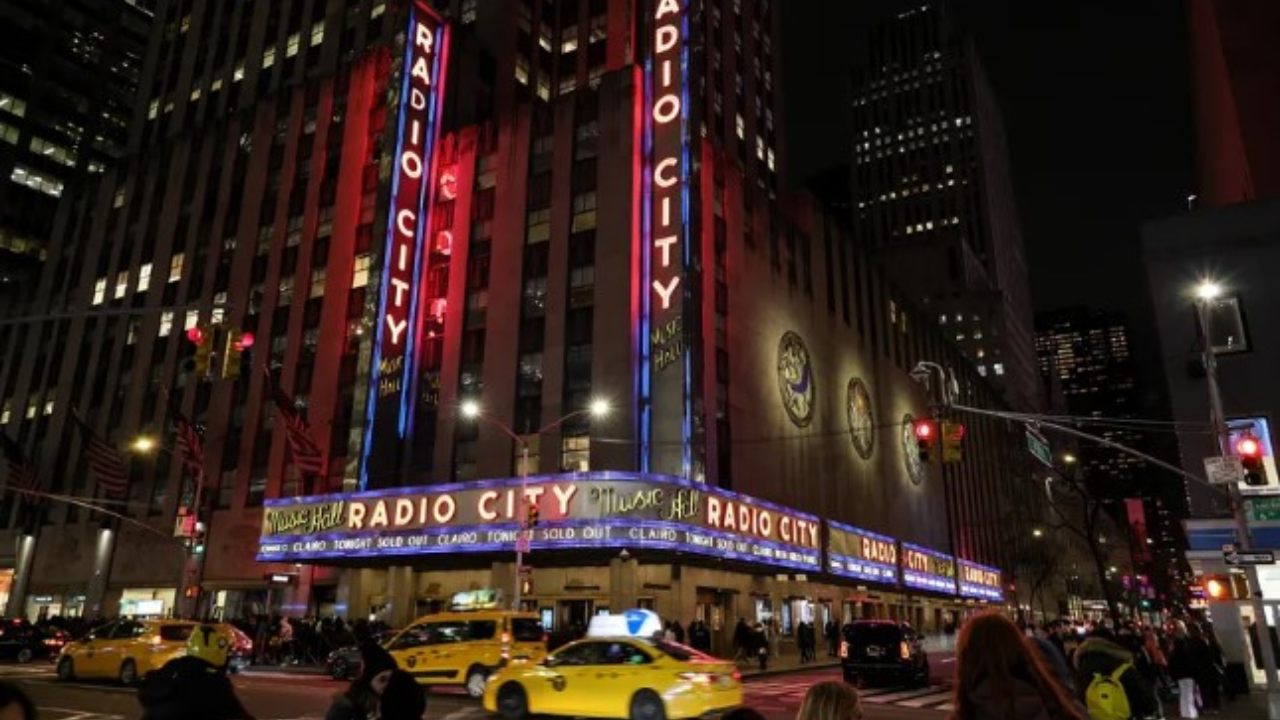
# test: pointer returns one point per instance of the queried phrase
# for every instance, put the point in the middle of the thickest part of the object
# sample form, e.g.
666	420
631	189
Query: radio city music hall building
526	204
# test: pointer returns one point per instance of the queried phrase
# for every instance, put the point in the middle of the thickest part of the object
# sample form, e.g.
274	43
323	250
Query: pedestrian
403	698
1113	685
759	646
361	699
188	688
741	638
1219	659
669	632
802	641
679	631
1182	669
15	705
999	676
1207	667
832	634
830	700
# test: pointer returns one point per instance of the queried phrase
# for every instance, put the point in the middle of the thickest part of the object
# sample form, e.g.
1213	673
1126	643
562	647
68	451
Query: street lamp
471	410
1207	289
143	444
1037	533
1069	459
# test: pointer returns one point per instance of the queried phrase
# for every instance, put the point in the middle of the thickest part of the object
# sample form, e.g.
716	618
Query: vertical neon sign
665	370
417	132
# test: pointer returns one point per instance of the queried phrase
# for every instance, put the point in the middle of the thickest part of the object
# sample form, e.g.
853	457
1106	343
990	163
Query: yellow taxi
465	647
125	650
622	669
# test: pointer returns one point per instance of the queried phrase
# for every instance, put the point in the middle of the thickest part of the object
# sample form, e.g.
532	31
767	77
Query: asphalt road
287	696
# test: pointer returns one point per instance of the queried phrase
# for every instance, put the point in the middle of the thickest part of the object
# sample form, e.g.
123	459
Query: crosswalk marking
927	700
894	697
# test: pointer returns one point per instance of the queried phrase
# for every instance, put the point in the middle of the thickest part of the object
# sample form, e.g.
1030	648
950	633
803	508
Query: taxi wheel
128	672
477	679
66	669
646	705
25	655
513	704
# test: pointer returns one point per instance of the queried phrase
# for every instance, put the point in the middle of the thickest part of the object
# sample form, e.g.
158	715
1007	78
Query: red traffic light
246	341
1248	447
924	430
195	334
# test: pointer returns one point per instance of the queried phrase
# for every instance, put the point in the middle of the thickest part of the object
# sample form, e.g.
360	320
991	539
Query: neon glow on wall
417	132
664	237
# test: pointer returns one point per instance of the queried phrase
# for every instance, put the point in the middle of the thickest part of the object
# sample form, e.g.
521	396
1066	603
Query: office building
932	191
528	206
68	74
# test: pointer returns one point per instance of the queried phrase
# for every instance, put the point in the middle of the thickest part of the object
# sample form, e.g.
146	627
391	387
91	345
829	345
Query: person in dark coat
1206	667
188	688
403	698
361	700
741	640
758	646
1100	654
832	633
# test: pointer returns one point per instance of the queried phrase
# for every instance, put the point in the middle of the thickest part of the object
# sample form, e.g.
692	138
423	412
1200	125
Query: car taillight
844	649
904	650
737	675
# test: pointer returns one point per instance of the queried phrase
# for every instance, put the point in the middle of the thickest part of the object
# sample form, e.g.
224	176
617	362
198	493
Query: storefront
45	606
147	602
605	542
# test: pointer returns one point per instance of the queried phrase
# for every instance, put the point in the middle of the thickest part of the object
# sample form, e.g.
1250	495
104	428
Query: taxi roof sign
632	623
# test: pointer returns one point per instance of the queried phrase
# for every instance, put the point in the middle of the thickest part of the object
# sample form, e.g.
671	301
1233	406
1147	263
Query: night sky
1095	98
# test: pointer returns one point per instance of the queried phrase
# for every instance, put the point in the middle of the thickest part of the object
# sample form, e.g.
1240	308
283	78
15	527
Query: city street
291	696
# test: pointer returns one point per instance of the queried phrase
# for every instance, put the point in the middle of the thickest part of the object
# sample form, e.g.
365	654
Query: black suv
883	651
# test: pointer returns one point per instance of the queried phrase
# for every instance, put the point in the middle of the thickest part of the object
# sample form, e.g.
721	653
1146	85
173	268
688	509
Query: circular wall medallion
910	452
795	379
862	424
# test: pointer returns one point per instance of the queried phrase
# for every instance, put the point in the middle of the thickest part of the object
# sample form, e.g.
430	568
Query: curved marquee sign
925	569
584	510
979	581
861	554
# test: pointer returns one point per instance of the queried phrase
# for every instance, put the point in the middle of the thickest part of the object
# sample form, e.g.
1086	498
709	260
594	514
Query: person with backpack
1114	689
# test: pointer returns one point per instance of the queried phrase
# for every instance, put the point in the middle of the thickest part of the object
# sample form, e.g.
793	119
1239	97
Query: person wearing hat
361	700
189	688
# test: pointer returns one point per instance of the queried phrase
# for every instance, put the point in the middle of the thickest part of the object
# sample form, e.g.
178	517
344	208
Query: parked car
24	643
344	663
883	651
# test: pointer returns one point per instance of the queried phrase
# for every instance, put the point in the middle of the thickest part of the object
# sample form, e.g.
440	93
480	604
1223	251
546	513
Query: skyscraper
68	74
1085	355
932	190
516	207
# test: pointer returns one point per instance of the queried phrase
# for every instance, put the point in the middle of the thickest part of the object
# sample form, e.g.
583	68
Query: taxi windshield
683	653
175	633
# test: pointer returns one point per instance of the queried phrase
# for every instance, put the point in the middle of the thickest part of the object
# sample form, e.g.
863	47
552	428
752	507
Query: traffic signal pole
1218	418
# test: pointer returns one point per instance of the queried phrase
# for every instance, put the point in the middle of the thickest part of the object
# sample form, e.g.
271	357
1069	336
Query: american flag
190	446
307	456
104	460
22	473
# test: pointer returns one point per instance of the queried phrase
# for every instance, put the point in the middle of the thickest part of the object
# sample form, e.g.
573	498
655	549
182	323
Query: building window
99	291
268	58
166	323
122	284
360	273
53	151
317	33
36	181
290	46
575	453
317	283
144	277
175	267
13	105
286	292
998	368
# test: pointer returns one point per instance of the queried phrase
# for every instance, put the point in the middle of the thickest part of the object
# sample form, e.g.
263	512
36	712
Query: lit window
269	58
219	312
6	412
740	124
216	85
575	453
317	33
31	410
153	108
942	319
998	368
48	406
769	162
360	273
377	9
286	292
144	277
238	74
522	71
185	23
290	47
317	283
122	284
36	181
13	105
99	291
982	370
166	323
570	42
175	267
191	320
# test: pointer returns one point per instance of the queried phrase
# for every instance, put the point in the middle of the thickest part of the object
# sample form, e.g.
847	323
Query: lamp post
471	410
192	565
1207	292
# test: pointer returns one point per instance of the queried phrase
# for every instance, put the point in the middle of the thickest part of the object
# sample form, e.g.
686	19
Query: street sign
1262	509
1232	556
1039	447
1223	469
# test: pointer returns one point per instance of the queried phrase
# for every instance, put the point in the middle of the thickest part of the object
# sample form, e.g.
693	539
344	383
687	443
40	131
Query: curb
749	676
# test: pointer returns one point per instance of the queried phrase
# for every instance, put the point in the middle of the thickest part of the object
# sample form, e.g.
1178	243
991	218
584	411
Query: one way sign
1233	556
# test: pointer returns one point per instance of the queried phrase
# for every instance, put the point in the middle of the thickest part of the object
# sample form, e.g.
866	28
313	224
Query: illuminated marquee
857	553
593	510
925	569
399	313
980	581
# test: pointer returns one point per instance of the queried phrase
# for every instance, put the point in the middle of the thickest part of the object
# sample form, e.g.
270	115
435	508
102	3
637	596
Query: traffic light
203	339
1249	450
237	342
952	442
531	516
926	432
